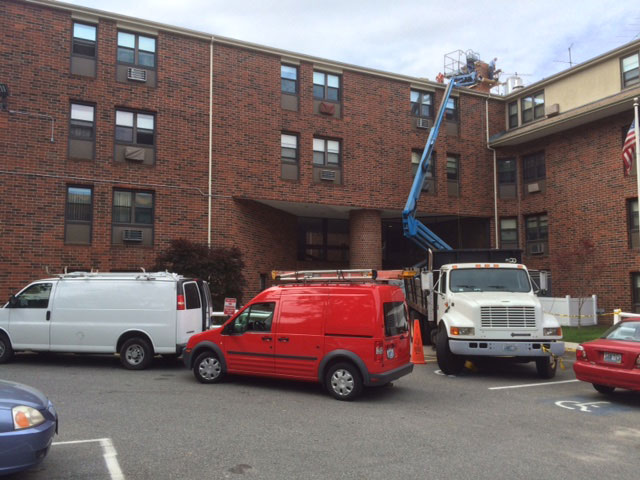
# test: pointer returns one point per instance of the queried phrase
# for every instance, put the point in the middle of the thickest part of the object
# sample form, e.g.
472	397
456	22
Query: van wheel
6	352
343	381
136	354
546	367
603	388
449	363
207	368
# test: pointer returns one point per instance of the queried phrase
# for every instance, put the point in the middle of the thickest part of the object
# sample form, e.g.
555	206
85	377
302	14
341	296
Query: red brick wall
365	239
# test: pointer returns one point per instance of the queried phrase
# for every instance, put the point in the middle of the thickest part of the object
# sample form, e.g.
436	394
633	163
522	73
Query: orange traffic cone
417	353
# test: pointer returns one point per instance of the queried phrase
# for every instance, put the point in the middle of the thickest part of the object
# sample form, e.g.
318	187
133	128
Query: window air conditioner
533	187
137	74
129	235
423	123
537	249
327	175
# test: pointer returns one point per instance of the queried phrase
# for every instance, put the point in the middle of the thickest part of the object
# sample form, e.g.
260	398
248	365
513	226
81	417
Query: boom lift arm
413	228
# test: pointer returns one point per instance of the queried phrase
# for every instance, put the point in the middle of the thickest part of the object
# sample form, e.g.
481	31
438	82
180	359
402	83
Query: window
289	145
532	107
395	319
632	223
630	71
326	152
35	296
256	318
429	184
133	214
451	110
82	122
513	114
134	127
82	131
84	40
453	175
289	79
326	86
289	155
136	49
507	187
191	296
323	239
421	104
533	172
537	235
78	215
132	207
508	233
635	287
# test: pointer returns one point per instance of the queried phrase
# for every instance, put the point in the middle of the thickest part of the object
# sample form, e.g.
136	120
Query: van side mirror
13	300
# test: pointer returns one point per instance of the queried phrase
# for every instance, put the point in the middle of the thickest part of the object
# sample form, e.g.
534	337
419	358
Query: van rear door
189	314
397	344
207	304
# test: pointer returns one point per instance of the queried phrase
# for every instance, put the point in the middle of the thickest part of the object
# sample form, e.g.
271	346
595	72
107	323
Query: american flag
629	149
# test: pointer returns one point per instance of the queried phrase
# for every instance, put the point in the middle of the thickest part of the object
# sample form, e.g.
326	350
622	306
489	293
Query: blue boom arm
413	228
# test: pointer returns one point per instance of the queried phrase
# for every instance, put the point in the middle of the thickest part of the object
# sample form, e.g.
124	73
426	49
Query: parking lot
498	422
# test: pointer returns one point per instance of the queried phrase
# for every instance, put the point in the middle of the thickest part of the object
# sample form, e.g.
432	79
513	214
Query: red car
345	336
612	361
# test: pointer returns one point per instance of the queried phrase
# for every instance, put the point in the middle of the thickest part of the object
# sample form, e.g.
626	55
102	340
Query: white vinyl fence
567	310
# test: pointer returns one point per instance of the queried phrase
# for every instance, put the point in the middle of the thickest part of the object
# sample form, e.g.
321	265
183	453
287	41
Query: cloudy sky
409	36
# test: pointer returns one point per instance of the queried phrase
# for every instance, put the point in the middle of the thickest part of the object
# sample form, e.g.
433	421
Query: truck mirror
544	281
426	279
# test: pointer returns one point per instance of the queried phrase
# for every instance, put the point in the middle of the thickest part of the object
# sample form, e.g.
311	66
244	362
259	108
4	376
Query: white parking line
533	384
109	453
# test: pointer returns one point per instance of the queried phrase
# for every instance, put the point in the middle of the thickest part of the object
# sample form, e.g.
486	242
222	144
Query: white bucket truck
484	309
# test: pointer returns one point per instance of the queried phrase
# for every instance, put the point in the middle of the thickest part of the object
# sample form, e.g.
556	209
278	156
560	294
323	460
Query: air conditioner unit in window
533	187
327	175
423	123
137	74
537	249
129	235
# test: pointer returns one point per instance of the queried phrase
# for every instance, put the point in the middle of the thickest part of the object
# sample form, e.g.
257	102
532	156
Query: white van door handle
48	315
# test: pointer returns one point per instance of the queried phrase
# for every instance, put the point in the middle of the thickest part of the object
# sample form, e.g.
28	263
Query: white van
136	315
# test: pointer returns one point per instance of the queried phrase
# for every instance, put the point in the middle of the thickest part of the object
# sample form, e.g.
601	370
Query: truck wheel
343	381
207	368
546	367
449	363
603	388
6	352
136	354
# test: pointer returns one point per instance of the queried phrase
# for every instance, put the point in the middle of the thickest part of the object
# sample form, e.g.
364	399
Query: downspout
495	178
210	141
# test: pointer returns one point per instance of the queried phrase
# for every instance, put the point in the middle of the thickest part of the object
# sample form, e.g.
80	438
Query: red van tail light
378	351
181	305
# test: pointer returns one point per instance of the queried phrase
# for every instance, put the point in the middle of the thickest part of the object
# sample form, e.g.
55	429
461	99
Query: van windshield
489	280
395	319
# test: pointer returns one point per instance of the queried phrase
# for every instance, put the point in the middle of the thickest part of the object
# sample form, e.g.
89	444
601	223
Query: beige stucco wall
589	85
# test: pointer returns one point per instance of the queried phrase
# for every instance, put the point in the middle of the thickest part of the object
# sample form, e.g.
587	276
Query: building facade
120	135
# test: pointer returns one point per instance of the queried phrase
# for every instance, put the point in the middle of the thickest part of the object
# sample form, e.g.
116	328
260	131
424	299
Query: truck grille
508	317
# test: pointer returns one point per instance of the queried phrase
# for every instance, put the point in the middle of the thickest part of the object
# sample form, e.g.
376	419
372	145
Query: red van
345	331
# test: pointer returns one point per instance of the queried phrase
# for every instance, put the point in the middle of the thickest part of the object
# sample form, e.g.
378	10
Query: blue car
28	423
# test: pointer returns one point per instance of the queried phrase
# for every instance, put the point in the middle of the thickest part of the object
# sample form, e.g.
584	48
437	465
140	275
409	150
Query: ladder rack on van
357	275
119	275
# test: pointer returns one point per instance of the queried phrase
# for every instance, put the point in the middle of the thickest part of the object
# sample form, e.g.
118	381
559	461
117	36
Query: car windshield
627	331
489	280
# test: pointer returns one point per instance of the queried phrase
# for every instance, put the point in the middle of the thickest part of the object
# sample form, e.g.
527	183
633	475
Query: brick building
120	135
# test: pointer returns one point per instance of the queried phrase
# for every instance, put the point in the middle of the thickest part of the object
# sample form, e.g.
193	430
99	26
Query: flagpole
635	110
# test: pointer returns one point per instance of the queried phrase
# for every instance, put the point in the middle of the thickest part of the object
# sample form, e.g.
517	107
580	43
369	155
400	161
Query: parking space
164	424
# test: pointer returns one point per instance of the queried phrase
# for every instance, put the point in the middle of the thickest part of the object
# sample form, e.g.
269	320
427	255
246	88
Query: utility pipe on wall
495	178
210	140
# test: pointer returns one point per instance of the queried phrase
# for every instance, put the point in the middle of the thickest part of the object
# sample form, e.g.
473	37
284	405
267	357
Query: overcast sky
409	37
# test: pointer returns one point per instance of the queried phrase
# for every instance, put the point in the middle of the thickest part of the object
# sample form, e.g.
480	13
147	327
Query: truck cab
491	309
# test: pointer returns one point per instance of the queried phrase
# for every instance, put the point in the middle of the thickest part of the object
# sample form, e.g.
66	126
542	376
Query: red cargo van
339	328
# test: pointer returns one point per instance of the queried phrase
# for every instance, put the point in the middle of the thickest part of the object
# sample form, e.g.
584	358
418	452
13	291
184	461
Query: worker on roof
492	69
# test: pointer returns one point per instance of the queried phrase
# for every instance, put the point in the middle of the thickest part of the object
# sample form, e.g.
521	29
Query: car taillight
378	351
181	305
581	354
638	362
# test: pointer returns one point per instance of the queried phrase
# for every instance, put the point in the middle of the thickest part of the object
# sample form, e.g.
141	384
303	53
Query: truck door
442	294
29	316
248	340
189	320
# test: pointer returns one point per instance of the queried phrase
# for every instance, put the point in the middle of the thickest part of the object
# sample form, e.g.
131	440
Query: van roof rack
356	275
118	275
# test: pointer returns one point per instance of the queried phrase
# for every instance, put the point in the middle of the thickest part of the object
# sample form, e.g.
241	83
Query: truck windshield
489	280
